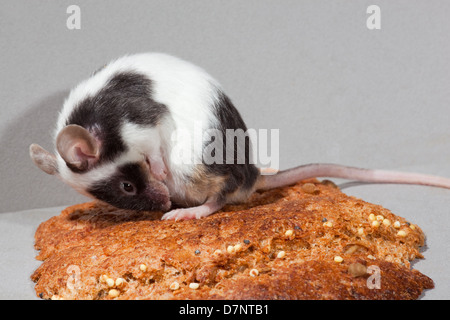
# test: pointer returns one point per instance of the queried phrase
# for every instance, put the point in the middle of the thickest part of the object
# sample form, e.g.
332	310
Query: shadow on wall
24	186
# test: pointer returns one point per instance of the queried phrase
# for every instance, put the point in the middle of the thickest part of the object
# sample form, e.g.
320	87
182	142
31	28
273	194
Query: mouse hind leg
221	184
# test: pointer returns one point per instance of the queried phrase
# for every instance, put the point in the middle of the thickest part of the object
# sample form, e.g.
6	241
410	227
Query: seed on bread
310	188
401	233
113	293
357	269
110	282
254	272
237	247
289	233
194	285
143	267
119	282
174	286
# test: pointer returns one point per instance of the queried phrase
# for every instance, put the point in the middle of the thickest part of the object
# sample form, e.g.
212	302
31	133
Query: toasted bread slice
307	241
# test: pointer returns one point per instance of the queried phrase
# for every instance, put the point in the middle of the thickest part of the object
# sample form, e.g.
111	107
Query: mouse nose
166	207
158	197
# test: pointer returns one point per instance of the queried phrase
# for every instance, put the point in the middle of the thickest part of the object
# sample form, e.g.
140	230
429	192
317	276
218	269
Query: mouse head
125	182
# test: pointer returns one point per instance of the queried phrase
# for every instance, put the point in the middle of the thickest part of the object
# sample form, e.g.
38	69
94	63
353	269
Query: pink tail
291	176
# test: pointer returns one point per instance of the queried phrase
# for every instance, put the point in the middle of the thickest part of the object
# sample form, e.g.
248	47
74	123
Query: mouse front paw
157	167
159	175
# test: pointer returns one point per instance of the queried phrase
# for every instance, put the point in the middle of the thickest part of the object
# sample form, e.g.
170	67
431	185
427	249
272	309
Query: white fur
188	92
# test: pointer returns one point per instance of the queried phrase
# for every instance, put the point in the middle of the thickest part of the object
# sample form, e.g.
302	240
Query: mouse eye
128	188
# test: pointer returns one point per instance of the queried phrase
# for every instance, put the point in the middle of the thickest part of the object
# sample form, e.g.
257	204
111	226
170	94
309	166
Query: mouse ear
43	159
79	149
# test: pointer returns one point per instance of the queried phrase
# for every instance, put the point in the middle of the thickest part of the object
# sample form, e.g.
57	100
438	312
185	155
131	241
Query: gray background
337	91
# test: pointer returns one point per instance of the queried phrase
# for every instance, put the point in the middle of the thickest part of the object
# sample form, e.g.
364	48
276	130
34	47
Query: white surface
424	206
17	251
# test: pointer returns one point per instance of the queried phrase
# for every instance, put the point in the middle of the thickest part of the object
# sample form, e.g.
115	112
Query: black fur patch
239	175
109	190
126	97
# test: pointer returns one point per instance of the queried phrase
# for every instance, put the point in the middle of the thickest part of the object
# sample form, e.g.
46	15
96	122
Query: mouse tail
294	175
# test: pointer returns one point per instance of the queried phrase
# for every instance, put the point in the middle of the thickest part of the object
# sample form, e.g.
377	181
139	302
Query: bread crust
92	242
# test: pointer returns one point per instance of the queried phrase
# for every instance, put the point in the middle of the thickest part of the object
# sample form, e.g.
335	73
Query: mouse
117	131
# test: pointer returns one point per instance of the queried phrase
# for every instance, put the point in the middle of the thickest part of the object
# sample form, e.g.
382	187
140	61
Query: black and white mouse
125	136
